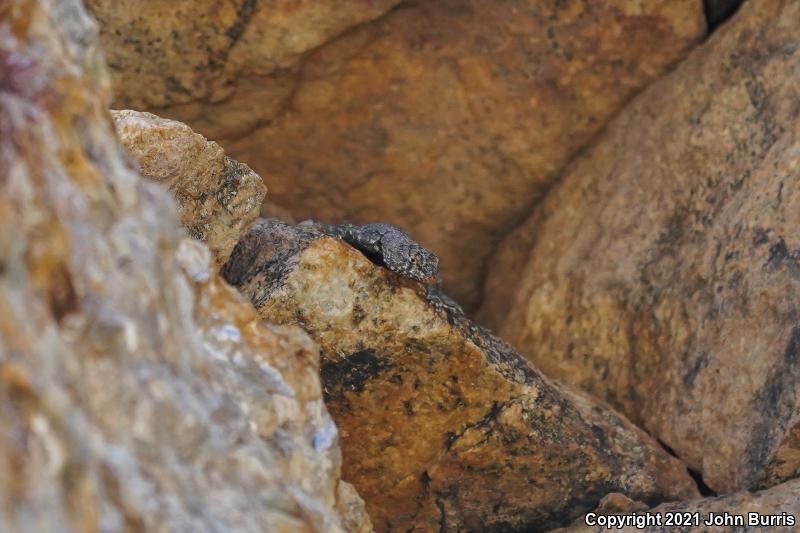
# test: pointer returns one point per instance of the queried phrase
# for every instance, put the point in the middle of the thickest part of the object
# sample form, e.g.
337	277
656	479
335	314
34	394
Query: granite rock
444	427
181	52
218	198
772	509
138	392
661	273
450	118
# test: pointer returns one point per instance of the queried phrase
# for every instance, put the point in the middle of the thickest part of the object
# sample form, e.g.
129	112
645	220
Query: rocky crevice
719	11
655	270
467	414
367	103
656	260
137	390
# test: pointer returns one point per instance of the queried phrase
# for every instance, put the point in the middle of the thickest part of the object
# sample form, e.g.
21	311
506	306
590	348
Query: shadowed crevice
718	11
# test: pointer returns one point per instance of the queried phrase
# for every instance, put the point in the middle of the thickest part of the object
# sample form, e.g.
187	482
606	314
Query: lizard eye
415	259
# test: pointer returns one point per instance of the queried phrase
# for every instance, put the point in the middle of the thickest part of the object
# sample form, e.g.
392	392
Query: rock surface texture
137	391
772	506
662	272
449	118
167	53
444	427
218	198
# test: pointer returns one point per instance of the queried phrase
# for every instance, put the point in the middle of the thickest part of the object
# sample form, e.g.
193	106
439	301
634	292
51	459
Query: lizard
392	247
386	245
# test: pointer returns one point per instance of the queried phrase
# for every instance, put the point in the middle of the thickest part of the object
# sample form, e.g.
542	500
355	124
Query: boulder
661	273
444	427
218	197
138	392
183	52
776	510
450	118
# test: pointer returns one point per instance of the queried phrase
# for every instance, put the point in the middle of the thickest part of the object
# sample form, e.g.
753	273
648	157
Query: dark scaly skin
390	246
442	302
387	245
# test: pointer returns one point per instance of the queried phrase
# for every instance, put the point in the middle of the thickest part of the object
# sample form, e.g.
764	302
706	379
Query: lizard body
386	245
390	246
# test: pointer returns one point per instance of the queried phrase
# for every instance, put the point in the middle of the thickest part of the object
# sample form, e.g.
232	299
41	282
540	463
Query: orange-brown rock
776	510
218	198
185	51
449	118
661	273
138	392
444	427
616	503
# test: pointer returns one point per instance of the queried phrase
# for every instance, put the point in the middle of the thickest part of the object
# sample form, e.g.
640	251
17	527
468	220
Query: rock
138	392
270	210
218	198
776	510
449	118
444	427
511	258
661	273
180	52
616	503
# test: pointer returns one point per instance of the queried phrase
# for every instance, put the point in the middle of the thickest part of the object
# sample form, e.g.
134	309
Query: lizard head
413	261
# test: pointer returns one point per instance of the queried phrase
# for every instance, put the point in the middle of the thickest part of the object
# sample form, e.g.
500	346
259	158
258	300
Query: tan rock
618	503
218	198
776	510
137	391
182	51
444	427
661	272
270	210
449	118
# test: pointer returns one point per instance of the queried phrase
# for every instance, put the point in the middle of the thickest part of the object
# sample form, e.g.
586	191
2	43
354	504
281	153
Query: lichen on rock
775	510
444	426
187	51
218	197
448	117
141	392
137	390
661	272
